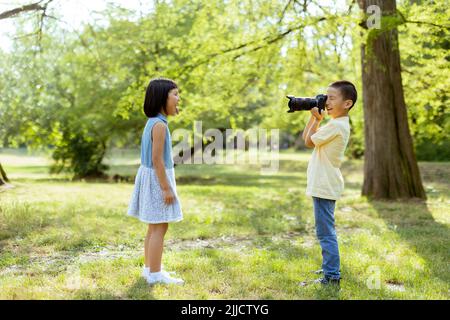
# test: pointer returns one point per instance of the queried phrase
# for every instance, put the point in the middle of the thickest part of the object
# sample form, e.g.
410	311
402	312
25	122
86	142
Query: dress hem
155	222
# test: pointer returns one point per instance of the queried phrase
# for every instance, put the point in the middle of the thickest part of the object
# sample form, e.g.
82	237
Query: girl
154	200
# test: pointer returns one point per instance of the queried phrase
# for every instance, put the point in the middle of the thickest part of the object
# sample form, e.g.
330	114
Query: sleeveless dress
147	201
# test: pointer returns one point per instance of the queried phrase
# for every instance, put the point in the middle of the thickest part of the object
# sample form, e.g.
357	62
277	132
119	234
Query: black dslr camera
299	104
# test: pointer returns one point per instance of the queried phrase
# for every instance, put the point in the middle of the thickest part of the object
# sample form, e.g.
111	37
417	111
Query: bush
80	154
428	150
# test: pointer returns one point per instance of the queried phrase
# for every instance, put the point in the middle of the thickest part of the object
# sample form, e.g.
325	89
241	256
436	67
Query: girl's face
172	102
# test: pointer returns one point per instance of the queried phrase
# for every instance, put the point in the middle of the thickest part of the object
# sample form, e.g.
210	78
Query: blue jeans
326	233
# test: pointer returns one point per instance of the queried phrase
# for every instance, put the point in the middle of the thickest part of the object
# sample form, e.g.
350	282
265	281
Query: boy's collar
345	118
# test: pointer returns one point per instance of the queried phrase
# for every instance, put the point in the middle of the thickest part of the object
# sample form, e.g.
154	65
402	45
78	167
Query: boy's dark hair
347	90
156	96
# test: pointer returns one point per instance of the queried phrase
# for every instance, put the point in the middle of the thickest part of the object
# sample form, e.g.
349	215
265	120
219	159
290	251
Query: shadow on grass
415	224
20	219
95	294
41	169
200	179
244	180
352	287
188	174
139	290
350	279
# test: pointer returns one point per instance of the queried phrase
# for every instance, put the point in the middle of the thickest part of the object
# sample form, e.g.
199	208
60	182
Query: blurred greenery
80	94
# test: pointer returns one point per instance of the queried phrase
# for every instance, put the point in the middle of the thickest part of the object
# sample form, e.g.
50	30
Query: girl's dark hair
156	96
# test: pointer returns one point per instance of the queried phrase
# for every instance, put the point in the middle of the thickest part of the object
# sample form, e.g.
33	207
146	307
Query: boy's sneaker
323	281
162	277
318	271
328	281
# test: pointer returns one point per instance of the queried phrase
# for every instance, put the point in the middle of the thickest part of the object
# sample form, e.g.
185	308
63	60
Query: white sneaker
146	271
162	277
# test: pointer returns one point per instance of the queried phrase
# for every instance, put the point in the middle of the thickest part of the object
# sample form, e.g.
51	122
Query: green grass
244	235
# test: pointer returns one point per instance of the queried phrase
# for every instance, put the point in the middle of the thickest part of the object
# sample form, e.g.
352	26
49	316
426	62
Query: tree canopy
81	93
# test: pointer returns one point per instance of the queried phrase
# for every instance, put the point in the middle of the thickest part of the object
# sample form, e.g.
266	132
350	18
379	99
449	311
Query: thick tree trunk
390	165
3	177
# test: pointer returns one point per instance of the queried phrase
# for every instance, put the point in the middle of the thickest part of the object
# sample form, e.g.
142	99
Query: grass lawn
244	235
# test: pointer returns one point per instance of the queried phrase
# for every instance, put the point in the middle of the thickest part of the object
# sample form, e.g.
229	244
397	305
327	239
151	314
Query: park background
72	82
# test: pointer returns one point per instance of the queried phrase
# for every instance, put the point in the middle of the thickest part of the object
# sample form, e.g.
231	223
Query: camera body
300	104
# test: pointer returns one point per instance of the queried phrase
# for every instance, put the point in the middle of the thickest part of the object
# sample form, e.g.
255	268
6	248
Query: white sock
155	274
148	268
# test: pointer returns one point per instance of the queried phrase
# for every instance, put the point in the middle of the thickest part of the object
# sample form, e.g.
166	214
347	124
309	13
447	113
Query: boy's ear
348	104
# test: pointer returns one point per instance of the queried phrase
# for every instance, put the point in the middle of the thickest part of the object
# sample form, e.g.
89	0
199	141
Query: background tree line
81	93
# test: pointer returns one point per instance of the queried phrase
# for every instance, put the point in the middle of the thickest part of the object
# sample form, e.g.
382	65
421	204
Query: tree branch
39	6
350	7
267	40
429	24
284	11
26	8
421	22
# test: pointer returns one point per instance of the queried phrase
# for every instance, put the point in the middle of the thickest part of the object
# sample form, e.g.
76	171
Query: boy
324	179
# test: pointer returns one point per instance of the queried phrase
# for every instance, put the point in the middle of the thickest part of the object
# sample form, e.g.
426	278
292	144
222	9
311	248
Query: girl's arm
159	137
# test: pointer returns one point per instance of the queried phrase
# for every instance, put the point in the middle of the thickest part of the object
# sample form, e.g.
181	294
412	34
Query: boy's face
172	102
336	105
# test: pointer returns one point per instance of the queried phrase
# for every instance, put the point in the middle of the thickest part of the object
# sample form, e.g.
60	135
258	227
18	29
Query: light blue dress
147	201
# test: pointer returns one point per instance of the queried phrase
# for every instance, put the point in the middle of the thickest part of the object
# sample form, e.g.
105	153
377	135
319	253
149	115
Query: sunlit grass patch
244	236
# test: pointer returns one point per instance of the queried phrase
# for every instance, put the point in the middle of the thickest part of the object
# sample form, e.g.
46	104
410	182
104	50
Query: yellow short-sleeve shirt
324	178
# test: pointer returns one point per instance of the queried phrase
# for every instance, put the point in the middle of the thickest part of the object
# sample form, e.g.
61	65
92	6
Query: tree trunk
390	165
3	177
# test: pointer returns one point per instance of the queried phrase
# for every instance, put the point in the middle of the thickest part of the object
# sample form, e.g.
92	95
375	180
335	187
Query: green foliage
234	62
80	155
426	65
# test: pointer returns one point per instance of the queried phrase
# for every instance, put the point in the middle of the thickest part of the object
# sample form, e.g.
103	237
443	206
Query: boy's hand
316	114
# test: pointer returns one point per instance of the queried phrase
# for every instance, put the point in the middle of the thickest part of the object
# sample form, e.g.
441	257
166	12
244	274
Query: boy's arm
308	125
315	120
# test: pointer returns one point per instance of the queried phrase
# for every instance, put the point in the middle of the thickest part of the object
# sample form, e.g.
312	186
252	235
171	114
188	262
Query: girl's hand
316	114
168	196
